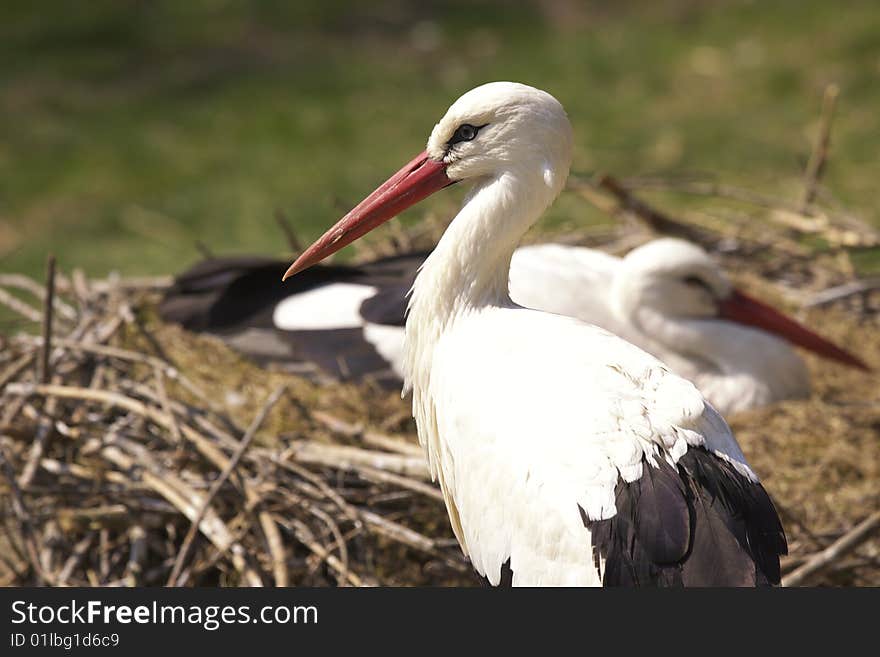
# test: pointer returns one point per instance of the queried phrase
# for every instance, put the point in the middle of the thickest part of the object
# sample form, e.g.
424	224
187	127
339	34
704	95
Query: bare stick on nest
218	484
27	528
48	315
45	429
838	292
846	543
654	219
816	163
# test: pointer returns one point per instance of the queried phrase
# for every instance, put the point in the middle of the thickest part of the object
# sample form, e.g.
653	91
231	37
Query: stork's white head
496	129
504	126
673	277
670	280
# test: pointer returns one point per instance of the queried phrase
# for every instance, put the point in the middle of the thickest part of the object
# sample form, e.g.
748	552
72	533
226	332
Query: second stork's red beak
743	309
420	178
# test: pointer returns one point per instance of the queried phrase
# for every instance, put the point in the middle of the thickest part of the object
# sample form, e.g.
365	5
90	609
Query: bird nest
135	453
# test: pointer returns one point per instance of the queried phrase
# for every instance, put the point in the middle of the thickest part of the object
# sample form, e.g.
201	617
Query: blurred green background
131	129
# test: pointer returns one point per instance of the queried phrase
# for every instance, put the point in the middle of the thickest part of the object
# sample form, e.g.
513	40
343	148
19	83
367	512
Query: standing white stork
668	297
565	454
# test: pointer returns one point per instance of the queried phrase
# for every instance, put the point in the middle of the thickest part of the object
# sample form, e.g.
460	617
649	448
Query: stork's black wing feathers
744	507
663	517
235	297
241	291
701	524
506	580
393	278
387	306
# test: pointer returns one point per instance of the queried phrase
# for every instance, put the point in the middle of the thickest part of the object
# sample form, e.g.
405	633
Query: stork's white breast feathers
520	455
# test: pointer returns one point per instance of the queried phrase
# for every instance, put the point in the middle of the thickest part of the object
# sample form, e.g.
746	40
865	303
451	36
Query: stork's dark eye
464	132
696	281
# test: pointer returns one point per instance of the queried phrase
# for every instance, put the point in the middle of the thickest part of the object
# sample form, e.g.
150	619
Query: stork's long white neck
469	269
690	338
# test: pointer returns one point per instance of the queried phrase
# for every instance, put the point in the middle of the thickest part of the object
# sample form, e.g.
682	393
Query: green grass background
130	130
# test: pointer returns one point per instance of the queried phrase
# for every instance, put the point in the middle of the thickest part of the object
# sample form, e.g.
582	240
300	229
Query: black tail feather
701	524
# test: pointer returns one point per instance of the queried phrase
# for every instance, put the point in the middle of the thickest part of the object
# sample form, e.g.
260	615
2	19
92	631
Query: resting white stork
565	454
346	320
668	297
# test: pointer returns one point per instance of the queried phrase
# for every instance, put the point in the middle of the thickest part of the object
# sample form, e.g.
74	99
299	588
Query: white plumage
538	426
332	306
519	451
668	298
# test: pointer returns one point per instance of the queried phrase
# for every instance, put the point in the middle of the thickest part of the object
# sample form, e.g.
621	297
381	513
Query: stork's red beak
741	308
416	181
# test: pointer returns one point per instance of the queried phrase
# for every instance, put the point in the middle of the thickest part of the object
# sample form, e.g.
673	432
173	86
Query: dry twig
827	557
819	156
218	484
